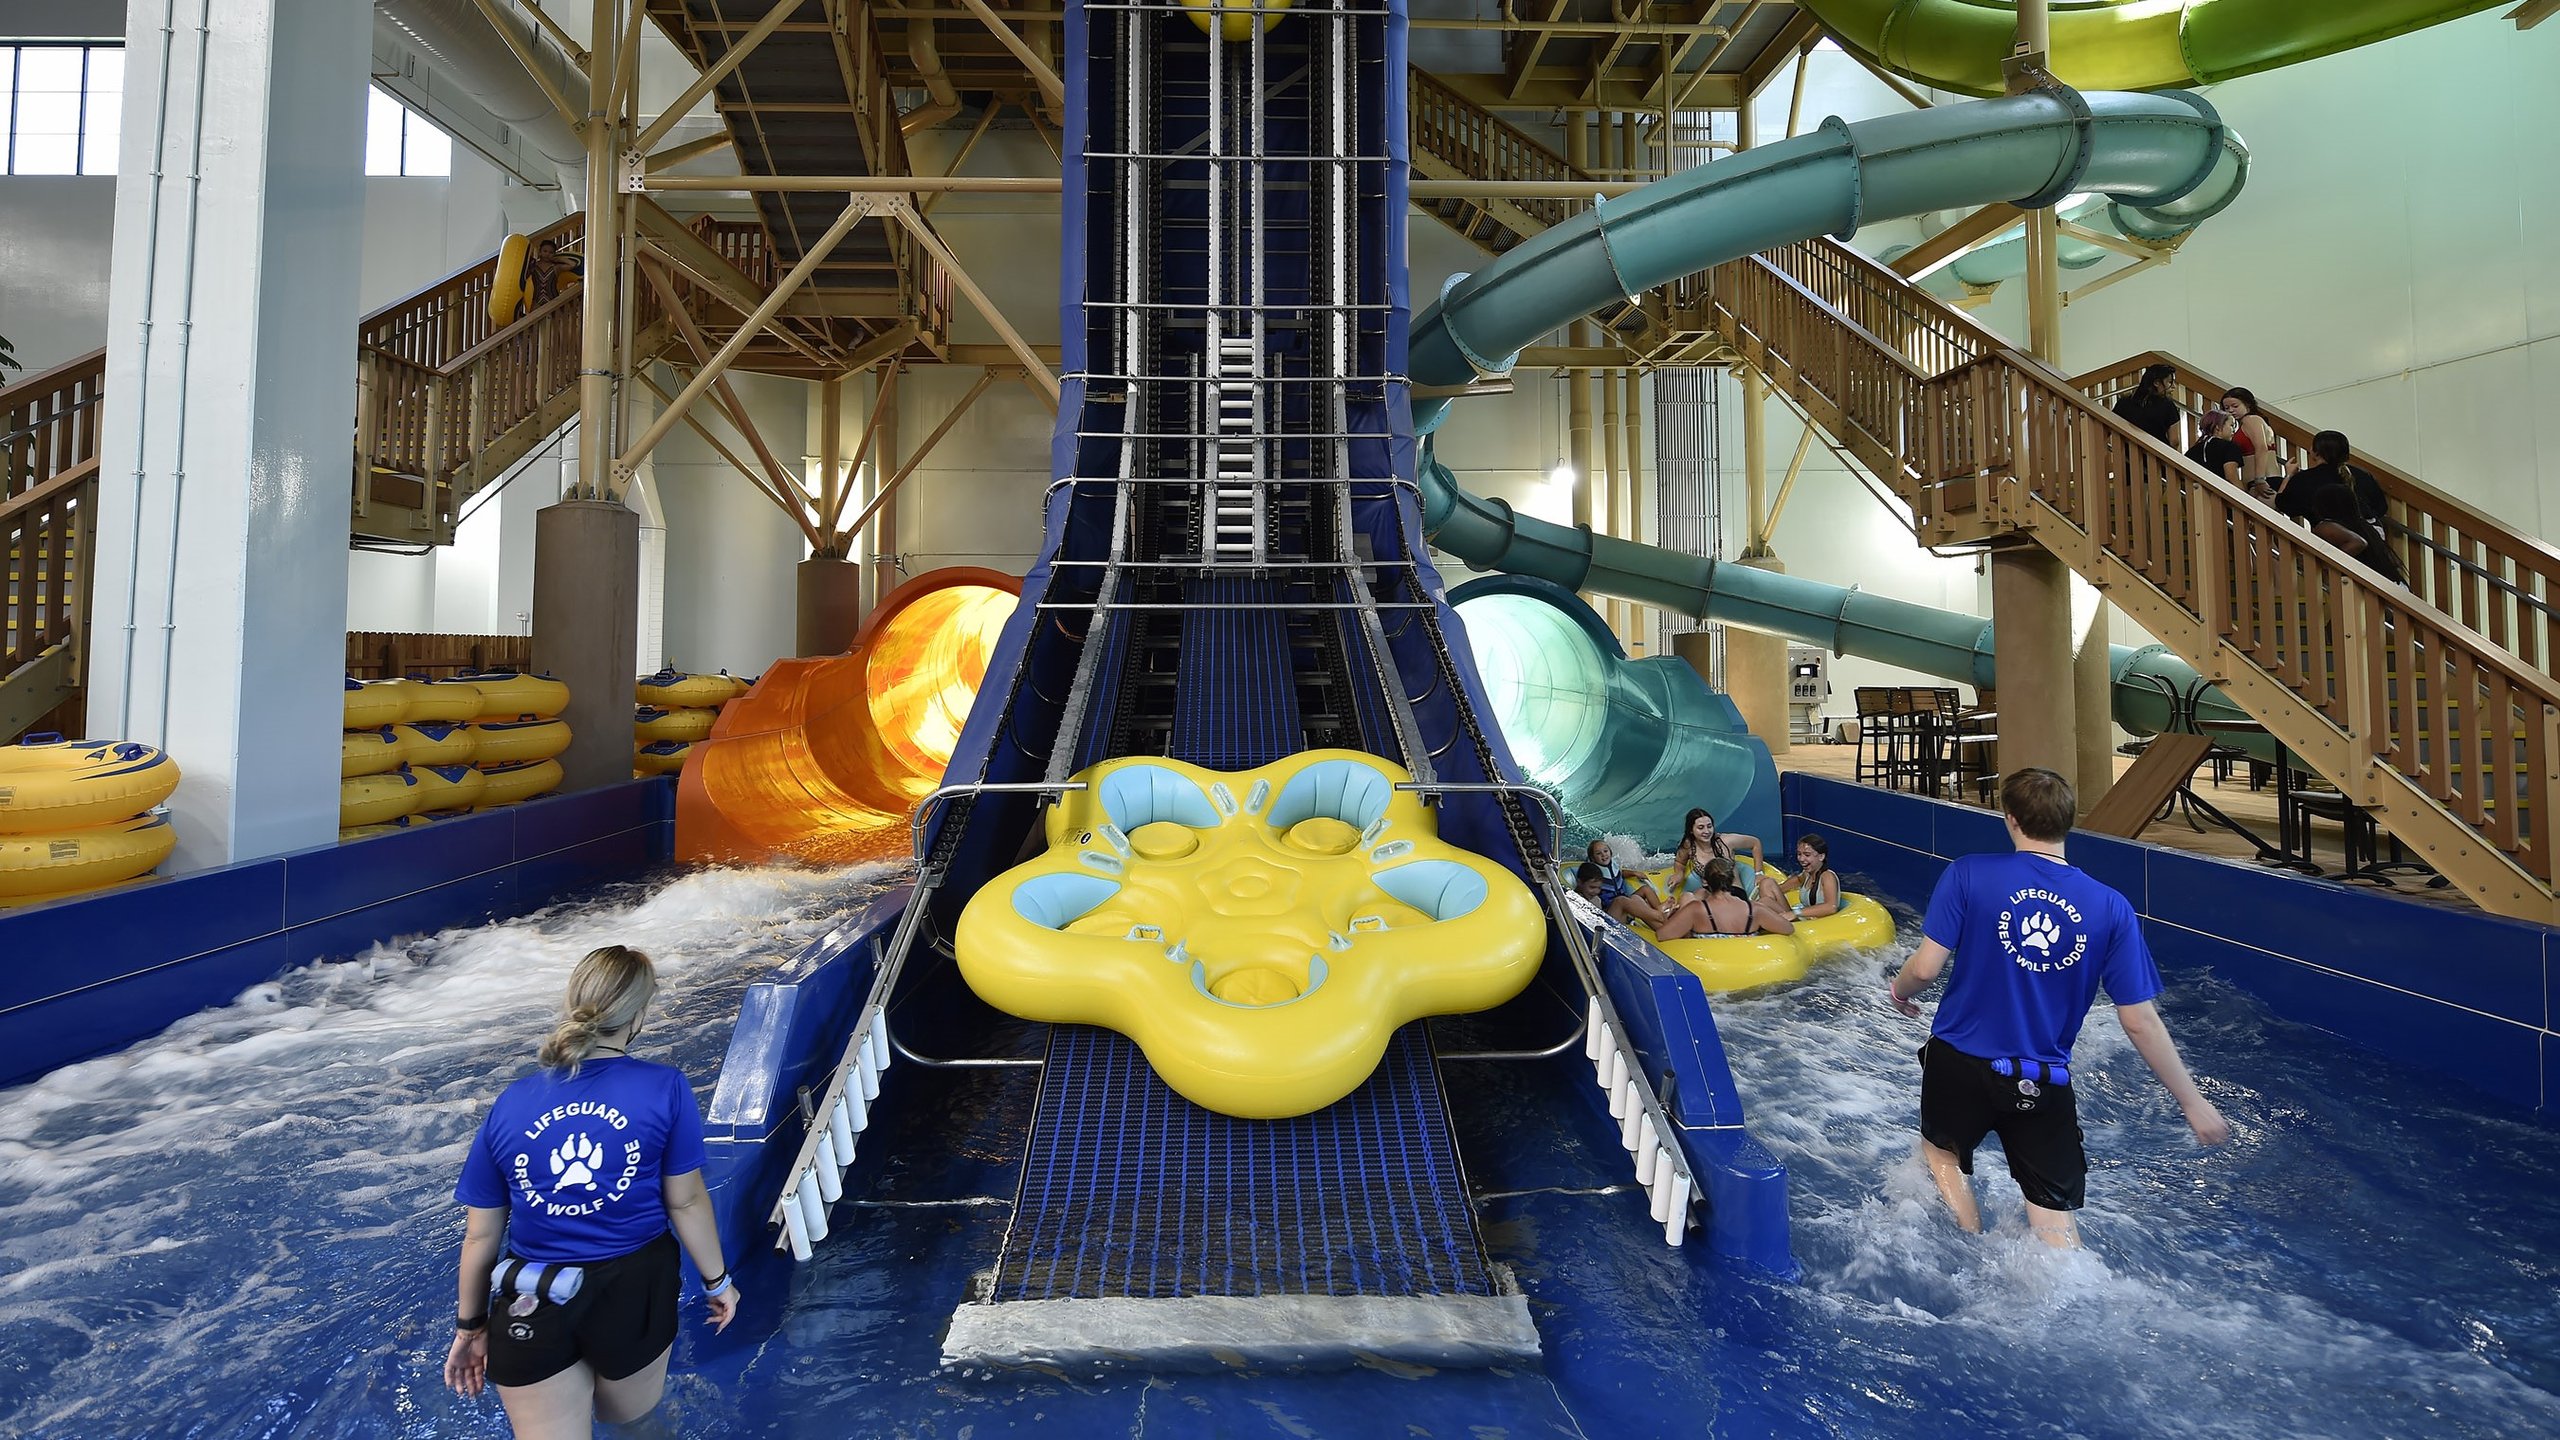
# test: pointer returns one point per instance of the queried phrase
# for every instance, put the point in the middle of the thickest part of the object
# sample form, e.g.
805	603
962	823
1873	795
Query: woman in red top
2256	439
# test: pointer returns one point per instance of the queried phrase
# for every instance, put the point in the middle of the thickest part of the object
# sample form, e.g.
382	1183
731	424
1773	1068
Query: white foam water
245	1224
2314	1277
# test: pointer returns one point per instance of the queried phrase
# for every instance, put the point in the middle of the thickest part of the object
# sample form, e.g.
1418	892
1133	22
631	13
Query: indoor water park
1803	718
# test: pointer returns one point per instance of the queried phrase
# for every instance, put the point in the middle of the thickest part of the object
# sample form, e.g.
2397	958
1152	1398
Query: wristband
472	1326
714	1287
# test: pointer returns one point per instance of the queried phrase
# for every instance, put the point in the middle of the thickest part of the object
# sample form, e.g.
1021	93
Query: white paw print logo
576	1162
2037	932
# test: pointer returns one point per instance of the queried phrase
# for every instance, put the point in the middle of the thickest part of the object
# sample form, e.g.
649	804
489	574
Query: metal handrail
924	808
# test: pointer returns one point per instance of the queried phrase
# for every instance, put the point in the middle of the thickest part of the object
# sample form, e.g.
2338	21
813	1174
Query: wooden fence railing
49	430
1476	143
2407	709
2480	571
388	655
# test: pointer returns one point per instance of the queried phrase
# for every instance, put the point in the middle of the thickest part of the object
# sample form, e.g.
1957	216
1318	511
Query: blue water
244	1228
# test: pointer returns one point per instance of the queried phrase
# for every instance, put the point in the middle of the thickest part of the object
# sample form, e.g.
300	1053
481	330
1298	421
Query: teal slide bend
2151	151
2004	257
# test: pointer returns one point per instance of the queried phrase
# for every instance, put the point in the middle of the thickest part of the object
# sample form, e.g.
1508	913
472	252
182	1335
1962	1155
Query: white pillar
221	590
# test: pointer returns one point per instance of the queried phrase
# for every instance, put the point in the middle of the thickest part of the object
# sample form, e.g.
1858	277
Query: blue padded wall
2460	993
96	973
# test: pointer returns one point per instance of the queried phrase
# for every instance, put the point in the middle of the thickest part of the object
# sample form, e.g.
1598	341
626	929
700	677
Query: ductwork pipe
945	98
459	41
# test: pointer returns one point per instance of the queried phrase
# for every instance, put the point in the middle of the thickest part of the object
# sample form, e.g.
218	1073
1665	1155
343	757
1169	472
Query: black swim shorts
622	1318
1963	1099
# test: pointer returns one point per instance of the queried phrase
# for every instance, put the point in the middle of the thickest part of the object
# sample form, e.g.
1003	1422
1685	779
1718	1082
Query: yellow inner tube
443	702
508	784
376	799
675	690
661	757
513	742
372	706
70	784
437	744
370	752
511	290
1742	962
67	862
650	723
448	787
513	695
1237	24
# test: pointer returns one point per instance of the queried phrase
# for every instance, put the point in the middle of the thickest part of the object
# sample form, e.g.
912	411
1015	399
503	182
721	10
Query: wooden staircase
2443	723
48	515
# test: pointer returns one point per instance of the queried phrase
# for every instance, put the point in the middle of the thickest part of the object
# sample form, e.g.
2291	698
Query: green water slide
2121	44
2147	151
2143	150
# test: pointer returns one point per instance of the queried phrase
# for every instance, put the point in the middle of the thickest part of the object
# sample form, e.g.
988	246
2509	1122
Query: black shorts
1963	1099
622	1318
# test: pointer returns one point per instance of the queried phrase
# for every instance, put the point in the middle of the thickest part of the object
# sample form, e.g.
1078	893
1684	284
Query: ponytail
607	993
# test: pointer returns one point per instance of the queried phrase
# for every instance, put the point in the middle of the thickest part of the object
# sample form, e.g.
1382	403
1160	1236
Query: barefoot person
2033	940
1816	884
591	1168
1625	894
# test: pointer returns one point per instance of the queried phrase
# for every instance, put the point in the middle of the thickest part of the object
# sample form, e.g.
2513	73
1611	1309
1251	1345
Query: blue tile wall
2467	995
98	972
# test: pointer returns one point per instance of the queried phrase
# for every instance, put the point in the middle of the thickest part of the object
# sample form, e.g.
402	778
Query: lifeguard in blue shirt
2034	941
591	1170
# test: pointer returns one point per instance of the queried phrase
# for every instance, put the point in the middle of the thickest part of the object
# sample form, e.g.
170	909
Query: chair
1875	735
1924	721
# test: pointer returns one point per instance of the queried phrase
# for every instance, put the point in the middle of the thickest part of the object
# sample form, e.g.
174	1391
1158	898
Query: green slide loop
2148	150
2120	44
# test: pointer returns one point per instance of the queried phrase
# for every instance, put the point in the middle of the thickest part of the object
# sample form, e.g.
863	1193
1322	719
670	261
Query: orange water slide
825	759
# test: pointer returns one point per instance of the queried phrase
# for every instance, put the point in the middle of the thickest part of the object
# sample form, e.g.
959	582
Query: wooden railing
2401	705
49	429
2476	569
1476	143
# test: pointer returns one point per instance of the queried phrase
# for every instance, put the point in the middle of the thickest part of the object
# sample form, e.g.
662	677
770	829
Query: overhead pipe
464	45
942	97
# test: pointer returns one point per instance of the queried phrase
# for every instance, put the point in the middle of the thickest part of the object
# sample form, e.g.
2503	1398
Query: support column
2040	710
586	631
1577	146
2031	642
831	607
1639	617
2093	706
220	583
1755	673
887	455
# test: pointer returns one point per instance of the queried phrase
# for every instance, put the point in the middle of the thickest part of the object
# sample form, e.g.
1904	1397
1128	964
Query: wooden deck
2253	808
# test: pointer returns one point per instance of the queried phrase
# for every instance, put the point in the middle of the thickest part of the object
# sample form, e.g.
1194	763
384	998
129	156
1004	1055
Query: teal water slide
2150	152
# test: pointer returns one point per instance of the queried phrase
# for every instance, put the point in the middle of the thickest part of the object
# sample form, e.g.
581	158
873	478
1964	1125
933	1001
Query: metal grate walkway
1132	1191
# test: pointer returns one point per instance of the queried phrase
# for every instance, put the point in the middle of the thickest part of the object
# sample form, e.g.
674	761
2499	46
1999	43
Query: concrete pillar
219	618
1577	146
586	629
886	456
1755	673
2031	639
831	606
2093	708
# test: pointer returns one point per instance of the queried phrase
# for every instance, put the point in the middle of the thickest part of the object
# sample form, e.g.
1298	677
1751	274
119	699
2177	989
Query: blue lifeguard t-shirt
2033	941
577	1162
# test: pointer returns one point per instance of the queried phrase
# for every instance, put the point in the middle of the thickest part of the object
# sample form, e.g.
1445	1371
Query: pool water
244	1228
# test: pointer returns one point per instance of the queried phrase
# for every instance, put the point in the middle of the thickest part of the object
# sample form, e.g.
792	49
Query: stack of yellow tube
519	735
80	815
421	750
675	710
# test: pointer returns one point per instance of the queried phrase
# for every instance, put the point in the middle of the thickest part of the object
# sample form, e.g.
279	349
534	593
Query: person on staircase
2342	503
2215	449
2150	407
2256	439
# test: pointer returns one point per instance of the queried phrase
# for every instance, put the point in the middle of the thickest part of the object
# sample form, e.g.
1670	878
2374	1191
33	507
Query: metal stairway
2448	736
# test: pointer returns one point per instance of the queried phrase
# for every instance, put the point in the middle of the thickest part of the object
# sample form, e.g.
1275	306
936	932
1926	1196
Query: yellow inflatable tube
68	862
1259	934
49	786
1744	962
1237	23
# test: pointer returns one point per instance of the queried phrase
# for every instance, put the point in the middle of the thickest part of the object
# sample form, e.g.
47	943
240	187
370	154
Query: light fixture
1561	475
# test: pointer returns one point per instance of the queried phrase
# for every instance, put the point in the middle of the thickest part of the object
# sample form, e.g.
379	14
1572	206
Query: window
400	141
61	108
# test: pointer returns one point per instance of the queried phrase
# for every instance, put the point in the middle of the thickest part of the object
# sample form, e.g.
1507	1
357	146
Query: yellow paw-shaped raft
1259	934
